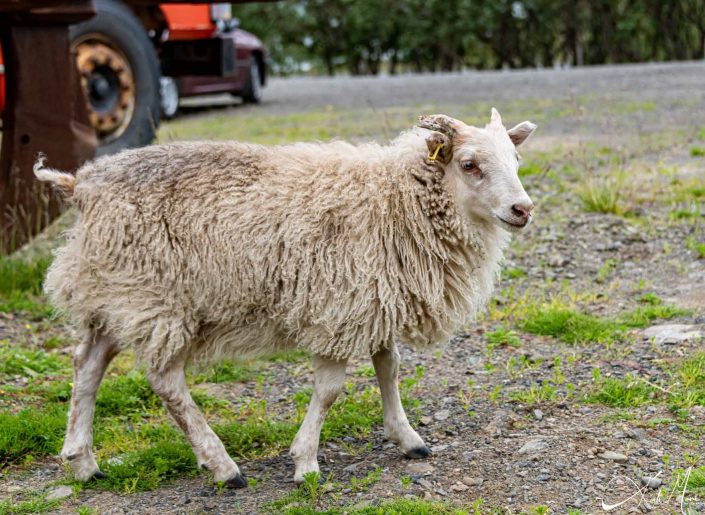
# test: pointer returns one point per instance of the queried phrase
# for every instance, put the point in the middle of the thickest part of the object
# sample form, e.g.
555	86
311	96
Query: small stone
426	420
544	477
439	448
557	260
651	482
637	433
538	414
425	483
419	468
459	487
536	445
613	456
351	468
472	481
672	334
60	492
442	415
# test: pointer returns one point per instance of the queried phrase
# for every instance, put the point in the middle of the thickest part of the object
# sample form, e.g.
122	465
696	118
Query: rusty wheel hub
108	83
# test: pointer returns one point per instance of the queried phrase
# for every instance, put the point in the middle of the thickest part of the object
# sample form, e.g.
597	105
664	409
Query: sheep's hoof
237	481
99	475
418	453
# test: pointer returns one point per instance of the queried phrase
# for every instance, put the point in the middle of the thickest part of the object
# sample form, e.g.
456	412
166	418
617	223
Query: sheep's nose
522	210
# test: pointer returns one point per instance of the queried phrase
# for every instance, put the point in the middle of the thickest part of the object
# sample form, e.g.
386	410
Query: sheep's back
224	236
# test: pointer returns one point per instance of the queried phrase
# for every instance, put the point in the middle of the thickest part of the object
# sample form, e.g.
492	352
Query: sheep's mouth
514	225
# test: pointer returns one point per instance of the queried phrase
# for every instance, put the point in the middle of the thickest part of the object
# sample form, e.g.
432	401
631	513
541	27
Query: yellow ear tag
432	157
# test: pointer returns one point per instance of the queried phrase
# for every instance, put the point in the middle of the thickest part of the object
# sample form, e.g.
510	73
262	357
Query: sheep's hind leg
91	359
329	377
396	425
170	385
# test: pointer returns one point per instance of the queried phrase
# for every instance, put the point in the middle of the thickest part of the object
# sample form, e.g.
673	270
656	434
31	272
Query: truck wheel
119	73
252	94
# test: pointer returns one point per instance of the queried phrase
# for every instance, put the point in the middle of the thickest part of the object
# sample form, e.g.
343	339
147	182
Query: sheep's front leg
210	453
91	358
329	377
396	425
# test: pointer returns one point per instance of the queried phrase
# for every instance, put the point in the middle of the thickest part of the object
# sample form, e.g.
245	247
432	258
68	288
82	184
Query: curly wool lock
229	249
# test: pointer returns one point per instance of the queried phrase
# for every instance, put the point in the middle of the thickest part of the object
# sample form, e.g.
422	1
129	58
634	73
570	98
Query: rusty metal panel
45	112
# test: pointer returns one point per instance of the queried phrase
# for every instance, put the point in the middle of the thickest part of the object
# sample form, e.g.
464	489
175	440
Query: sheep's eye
471	167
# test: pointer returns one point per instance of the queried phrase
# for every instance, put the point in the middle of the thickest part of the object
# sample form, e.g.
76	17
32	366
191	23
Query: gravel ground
561	453
664	81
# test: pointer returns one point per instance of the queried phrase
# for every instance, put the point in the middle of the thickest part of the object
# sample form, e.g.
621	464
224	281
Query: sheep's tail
63	181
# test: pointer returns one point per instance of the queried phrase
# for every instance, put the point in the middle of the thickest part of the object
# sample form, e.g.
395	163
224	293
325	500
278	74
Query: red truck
136	60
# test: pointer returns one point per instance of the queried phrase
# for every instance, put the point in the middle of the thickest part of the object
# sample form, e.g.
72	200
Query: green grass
697	151
502	336
629	392
574	327
21	285
607	195
226	372
15	360
36	504
148	468
696	247
683	388
31	433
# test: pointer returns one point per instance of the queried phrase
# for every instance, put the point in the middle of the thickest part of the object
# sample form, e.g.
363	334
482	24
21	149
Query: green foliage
124	395
147	468
21	361
36	504
696	247
629	392
697	151
572	326
370	36
225	372
21	285
606	195
30	433
503	336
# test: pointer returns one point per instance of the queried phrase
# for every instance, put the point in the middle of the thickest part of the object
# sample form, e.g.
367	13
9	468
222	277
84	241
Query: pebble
651	482
351	468
672	334
459	487
60	492
538	414
439	448
442	415
557	261
532	446
426	420
425	483
637	434
420	467
472	481
613	456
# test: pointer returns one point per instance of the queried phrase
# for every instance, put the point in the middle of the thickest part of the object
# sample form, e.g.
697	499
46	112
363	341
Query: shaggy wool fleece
229	249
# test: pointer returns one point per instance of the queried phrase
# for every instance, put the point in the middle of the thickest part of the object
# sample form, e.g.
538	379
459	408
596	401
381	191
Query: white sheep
197	251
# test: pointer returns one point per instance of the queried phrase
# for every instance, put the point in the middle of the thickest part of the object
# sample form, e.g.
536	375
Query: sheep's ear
519	133
439	147
440	123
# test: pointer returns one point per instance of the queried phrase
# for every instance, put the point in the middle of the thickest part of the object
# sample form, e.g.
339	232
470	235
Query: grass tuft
30	433
605	195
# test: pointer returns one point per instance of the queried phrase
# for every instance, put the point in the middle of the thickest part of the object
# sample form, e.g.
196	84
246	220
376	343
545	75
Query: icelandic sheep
197	251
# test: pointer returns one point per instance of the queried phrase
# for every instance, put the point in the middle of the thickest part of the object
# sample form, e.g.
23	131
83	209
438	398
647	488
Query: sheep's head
481	166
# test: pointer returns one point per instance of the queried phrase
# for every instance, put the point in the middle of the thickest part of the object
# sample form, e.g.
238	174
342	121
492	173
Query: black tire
252	93
116	24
